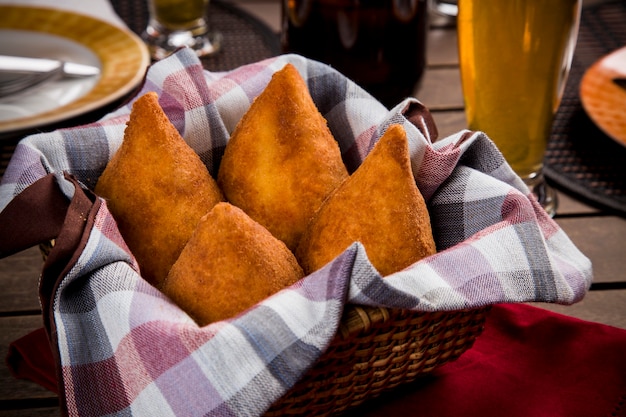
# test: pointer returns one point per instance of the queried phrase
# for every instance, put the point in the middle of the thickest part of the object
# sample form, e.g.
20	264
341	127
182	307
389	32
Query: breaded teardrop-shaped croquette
230	263
156	188
380	206
281	161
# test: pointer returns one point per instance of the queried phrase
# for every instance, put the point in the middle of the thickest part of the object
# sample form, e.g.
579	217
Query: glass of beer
176	23
515	56
379	44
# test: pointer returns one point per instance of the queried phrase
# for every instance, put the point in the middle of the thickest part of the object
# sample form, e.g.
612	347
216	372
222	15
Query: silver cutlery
20	73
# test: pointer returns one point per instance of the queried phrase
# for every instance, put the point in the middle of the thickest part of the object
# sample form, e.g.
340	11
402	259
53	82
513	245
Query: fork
22	82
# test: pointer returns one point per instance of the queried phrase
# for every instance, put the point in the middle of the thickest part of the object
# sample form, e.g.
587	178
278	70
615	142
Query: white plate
30	31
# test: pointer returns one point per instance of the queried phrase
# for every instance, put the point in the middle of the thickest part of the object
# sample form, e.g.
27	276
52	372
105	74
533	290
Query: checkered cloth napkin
124	349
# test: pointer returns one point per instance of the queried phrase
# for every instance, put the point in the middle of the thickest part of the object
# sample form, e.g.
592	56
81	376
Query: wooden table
598	233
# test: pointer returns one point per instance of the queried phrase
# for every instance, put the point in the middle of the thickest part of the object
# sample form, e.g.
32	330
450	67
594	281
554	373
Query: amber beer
177	14
380	44
173	24
514	57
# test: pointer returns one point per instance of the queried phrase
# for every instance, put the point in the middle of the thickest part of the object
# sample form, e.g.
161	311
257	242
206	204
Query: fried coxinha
156	188
379	206
283	204
282	161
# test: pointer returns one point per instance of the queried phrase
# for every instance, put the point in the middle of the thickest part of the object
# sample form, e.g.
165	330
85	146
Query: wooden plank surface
599	306
20	278
599	235
601	238
32	412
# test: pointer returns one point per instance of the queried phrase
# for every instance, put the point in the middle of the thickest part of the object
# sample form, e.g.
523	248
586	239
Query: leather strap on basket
42	213
36	215
39	214
418	114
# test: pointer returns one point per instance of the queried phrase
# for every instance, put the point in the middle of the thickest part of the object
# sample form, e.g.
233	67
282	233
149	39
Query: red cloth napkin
30	357
528	362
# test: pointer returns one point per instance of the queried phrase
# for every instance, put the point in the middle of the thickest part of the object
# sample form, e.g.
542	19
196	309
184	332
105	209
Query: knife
24	65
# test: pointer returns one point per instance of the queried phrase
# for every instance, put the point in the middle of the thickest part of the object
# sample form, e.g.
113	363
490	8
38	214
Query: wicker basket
375	350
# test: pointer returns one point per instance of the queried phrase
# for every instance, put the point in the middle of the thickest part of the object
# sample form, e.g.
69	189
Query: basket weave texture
375	350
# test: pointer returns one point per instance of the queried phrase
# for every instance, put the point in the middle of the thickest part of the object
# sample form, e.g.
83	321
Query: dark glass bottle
380	44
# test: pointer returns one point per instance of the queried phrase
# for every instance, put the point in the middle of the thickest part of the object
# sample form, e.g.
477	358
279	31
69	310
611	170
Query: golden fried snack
281	161
380	206
230	263
156	188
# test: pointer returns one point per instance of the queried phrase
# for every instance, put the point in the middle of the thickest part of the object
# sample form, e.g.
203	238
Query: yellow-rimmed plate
51	33
603	98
